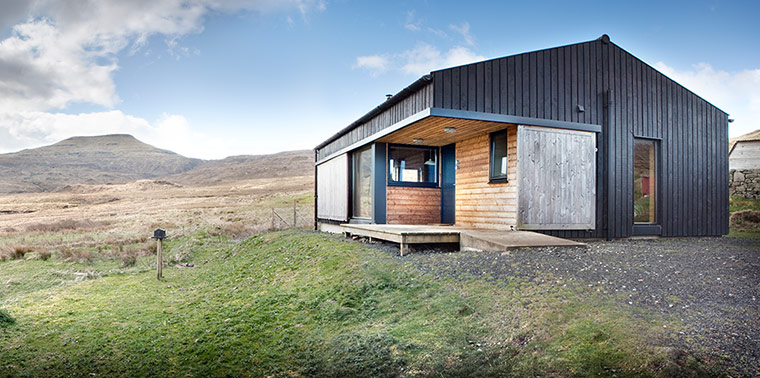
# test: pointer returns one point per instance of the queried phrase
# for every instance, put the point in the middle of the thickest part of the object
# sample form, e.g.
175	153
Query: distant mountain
116	159
245	167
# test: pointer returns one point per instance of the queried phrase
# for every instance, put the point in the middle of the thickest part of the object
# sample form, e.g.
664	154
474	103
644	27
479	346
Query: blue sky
213	78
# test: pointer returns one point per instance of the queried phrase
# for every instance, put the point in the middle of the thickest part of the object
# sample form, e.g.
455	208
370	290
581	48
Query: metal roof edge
402	94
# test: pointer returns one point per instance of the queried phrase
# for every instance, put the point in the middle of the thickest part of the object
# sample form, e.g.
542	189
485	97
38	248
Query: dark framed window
498	160
645	181
412	166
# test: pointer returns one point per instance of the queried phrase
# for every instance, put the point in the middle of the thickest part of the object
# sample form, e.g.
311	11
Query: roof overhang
469	122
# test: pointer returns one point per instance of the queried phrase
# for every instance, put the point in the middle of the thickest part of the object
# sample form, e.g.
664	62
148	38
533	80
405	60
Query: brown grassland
83	217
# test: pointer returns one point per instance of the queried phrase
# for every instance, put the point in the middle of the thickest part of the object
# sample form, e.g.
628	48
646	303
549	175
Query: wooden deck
467	238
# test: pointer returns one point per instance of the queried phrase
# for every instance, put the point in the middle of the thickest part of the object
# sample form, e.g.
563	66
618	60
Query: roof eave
393	100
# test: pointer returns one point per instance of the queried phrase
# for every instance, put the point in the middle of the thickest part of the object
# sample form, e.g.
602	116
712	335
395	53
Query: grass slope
745	223
306	304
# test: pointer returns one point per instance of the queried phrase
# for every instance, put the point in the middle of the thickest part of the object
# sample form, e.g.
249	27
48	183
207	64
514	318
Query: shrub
746	220
128	255
44	254
237	230
80	255
6	319
66	224
14	252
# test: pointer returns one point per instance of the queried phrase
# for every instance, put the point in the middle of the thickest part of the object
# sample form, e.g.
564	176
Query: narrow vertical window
498	161
644	181
362	188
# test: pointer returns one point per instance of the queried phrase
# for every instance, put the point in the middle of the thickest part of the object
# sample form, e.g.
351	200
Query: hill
88	160
246	167
118	159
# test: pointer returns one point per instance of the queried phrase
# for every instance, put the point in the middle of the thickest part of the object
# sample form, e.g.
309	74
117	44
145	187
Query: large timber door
556	172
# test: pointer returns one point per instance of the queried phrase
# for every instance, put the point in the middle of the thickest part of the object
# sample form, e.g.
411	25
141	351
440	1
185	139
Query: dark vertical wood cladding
551	84
416	102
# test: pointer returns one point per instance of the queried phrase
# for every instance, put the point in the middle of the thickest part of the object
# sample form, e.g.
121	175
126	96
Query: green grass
737	203
308	304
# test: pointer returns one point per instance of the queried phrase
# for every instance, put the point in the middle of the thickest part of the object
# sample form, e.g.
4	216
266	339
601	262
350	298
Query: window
644	181
413	166
498	161
362	188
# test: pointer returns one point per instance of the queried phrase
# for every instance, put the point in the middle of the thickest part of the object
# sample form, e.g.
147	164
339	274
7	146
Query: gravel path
711	284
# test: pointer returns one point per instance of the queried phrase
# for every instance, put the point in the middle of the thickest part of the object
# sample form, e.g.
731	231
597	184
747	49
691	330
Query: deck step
482	240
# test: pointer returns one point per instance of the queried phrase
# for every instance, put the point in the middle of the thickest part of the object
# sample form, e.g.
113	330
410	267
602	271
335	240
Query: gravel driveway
711	284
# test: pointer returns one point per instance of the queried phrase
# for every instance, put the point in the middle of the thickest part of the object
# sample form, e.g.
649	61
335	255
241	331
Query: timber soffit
463	114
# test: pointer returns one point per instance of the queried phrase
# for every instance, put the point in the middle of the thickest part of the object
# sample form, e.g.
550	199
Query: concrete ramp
486	240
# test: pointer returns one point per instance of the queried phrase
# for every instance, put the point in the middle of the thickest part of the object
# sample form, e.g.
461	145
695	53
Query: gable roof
428	79
749	137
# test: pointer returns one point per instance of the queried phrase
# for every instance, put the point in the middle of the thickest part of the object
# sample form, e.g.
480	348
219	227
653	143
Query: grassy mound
309	304
745	220
6	319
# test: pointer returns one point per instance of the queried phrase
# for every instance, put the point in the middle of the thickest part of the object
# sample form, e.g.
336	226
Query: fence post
273	219
295	215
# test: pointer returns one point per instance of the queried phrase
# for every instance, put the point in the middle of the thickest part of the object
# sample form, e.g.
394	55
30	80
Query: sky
216	78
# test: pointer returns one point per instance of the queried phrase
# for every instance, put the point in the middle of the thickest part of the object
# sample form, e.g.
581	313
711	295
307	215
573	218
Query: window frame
435	184
353	190
492	141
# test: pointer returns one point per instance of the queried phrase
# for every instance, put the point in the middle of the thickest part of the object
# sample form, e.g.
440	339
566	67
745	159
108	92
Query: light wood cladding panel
478	203
332	189
410	205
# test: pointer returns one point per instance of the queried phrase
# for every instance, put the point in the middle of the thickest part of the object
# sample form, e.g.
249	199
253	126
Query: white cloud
376	64
62	53
737	93
425	58
420	60
415	24
464	30
171	131
412	23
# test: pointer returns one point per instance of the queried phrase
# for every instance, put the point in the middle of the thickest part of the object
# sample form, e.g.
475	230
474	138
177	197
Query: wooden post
295	215
273	219
159	258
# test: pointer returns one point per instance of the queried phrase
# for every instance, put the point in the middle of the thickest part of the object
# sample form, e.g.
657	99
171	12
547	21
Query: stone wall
745	183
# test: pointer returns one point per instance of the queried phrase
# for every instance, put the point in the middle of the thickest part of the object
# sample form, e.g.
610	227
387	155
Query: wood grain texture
332	189
416	102
431	131
478	203
557	179
409	205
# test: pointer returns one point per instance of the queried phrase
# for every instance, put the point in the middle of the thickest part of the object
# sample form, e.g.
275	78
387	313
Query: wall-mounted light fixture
730	120
581	109
418	140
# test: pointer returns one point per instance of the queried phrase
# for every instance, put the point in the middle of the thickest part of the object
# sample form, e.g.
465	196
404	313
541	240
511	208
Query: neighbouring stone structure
745	183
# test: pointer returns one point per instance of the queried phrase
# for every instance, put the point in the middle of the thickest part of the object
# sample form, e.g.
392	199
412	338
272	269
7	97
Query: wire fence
296	216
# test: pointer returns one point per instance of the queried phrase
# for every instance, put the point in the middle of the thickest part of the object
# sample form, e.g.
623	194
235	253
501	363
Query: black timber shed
595	87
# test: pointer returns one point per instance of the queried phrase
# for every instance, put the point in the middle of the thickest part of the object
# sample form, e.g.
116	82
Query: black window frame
491	158
414	184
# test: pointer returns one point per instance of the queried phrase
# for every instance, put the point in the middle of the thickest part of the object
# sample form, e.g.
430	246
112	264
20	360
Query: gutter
404	93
